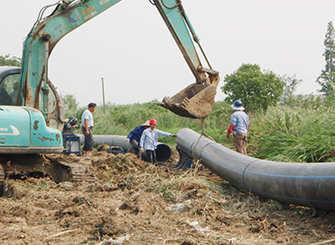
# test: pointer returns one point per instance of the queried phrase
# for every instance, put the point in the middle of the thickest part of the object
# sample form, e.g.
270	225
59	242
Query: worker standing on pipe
134	137
239	126
149	140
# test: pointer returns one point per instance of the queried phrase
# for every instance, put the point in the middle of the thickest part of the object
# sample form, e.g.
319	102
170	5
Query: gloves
126	140
173	135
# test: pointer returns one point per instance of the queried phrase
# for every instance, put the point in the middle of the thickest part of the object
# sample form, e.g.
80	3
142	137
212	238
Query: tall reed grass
295	134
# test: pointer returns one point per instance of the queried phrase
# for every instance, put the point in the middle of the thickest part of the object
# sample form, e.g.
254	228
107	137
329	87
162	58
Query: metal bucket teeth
195	101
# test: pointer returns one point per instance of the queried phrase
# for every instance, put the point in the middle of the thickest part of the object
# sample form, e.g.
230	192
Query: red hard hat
153	121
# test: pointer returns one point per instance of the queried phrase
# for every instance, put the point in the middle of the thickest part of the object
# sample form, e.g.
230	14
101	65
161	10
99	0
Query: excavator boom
195	101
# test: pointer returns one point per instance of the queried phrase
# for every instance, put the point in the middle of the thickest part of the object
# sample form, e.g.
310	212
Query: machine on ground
31	110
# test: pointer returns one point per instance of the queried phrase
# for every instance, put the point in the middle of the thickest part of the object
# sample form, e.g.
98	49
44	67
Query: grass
176	189
295	135
300	131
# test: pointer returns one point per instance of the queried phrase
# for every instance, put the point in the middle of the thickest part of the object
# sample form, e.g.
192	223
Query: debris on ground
135	202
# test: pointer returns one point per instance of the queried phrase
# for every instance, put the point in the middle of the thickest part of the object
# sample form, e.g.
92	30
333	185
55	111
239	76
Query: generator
71	143
116	150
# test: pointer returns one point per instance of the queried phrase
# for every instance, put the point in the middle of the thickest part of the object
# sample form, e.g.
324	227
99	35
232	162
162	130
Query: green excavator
31	110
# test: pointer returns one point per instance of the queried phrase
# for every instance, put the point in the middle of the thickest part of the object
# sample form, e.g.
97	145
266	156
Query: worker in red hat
149	140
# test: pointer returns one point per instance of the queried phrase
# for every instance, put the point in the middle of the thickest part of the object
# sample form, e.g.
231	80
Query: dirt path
134	202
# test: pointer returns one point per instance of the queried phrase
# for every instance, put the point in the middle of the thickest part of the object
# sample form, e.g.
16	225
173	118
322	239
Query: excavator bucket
195	101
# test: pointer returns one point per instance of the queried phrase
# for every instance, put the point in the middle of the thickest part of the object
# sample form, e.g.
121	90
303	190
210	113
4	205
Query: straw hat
146	124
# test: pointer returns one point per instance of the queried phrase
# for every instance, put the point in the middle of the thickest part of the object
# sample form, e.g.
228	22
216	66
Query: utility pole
103	94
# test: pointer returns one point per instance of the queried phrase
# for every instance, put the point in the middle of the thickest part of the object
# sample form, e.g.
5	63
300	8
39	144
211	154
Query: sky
130	48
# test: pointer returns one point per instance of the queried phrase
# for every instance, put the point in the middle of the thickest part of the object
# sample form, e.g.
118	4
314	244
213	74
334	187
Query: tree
291	84
7	61
70	104
255	89
327	77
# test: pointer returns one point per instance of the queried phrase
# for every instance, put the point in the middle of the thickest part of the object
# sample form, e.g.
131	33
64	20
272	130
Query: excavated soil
134	202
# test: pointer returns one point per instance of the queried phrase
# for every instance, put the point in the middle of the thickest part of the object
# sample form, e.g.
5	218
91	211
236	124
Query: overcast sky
130	47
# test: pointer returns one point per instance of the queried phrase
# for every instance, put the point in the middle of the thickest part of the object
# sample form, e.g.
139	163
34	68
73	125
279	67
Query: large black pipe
163	151
304	184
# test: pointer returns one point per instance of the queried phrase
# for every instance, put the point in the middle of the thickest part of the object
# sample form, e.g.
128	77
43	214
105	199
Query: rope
203	130
202	133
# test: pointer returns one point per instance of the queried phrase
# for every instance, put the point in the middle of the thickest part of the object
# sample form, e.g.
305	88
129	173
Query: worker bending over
134	137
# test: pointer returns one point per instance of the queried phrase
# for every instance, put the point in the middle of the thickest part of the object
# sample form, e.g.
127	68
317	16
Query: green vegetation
327	76
295	134
6	60
256	89
299	130
70	103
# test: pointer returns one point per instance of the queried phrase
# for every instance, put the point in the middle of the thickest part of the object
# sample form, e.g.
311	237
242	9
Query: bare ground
134	202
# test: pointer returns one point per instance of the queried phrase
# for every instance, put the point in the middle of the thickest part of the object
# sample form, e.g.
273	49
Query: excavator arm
195	101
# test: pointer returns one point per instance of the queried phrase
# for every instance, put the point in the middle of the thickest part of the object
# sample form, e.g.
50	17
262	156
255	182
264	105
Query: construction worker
134	137
239	126
87	126
149	140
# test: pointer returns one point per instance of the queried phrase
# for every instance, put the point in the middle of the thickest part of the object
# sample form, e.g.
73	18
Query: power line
89	88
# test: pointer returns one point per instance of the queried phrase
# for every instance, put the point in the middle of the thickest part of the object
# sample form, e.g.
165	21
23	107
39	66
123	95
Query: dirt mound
134	202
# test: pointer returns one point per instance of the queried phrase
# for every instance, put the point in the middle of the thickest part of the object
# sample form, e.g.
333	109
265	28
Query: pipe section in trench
163	151
303	184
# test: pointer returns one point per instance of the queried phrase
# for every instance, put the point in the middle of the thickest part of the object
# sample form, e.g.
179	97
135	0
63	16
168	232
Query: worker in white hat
239	126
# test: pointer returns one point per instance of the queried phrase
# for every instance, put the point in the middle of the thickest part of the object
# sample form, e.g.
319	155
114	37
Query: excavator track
75	172
58	167
69	169
2	180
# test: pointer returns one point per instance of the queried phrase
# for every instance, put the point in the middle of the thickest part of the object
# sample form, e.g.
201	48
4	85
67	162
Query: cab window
9	90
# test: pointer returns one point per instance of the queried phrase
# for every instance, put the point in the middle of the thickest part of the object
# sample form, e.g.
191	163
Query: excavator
31	110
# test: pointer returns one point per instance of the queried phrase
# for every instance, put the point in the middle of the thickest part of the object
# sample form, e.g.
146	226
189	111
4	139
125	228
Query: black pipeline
305	184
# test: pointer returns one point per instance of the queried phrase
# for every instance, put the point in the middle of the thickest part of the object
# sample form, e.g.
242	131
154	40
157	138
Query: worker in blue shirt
134	137
149	140
239	126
